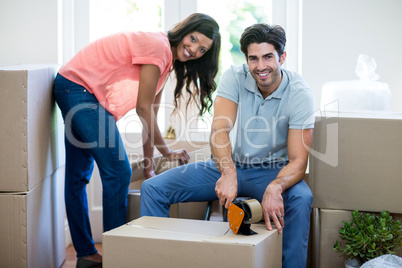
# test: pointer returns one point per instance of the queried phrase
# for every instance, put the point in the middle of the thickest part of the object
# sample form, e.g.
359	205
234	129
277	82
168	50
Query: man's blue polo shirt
261	129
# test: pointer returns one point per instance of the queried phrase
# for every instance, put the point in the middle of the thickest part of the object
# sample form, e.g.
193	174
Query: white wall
28	31
336	32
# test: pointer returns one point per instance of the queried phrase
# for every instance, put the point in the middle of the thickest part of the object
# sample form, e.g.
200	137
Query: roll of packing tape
254	209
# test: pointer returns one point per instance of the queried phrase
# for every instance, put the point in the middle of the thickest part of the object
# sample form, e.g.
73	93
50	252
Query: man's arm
299	143
225	112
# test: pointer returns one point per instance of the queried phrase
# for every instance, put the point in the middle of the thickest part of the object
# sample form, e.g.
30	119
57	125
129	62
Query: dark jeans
91	135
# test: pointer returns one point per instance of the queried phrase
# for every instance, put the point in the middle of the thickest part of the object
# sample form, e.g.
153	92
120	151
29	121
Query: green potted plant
368	236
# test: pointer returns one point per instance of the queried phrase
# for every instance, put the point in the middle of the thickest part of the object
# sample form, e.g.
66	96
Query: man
269	113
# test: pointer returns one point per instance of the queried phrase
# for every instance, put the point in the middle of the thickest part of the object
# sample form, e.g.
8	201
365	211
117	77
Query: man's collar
278	93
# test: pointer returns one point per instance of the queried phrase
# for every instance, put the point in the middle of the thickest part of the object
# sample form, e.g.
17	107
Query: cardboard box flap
13	193
250	240
362	115
27	67
204	228
190	230
161	164
141	232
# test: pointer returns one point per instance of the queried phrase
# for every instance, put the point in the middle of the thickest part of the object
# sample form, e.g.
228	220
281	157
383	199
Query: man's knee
307	197
301	195
145	187
148	188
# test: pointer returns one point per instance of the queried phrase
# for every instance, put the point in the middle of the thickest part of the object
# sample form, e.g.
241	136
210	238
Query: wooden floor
71	257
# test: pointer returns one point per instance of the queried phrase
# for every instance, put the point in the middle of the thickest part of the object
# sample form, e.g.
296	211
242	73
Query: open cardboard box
198	151
170	242
192	210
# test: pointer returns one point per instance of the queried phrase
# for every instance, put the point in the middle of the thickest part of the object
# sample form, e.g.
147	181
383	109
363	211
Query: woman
100	85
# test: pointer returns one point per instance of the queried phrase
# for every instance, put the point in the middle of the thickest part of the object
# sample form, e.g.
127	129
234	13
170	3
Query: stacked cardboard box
31	169
354	164
326	230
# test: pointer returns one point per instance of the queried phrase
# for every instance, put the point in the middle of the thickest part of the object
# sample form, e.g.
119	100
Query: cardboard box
161	164
355	162
32	225
326	232
168	242
190	210
27	119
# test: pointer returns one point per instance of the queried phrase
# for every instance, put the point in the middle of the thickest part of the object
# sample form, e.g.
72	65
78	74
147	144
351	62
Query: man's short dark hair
263	33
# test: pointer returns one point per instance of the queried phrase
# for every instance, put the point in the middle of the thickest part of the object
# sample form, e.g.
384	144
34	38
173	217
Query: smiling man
260	139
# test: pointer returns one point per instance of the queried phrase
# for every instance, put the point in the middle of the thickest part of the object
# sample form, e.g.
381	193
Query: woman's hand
180	155
149	173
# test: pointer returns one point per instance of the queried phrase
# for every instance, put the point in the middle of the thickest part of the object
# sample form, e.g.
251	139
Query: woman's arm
148	147
145	107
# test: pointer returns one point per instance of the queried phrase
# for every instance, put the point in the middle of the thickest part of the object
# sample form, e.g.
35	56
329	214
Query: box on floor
190	210
325	232
170	242
32	225
355	162
27	116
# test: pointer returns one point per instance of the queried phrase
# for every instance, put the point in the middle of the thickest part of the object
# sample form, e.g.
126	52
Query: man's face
265	66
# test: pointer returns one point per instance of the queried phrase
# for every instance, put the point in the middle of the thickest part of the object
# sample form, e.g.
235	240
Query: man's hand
180	155
226	189
272	207
299	140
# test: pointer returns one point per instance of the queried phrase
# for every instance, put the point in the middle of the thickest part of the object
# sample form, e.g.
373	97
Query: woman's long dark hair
202	71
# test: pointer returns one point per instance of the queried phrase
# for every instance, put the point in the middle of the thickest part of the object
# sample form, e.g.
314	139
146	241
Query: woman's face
193	46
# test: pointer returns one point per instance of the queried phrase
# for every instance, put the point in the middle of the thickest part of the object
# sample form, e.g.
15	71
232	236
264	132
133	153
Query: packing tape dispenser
242	212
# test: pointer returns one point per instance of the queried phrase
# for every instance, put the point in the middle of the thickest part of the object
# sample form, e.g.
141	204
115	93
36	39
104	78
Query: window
233	16
109	17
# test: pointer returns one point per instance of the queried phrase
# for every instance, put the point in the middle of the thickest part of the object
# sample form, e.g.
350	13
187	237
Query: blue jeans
91	134
196	182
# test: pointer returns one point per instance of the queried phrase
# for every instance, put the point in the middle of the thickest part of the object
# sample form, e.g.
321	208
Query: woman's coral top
110	67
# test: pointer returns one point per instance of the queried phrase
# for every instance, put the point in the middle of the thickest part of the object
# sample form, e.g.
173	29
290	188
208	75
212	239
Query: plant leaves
368	235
